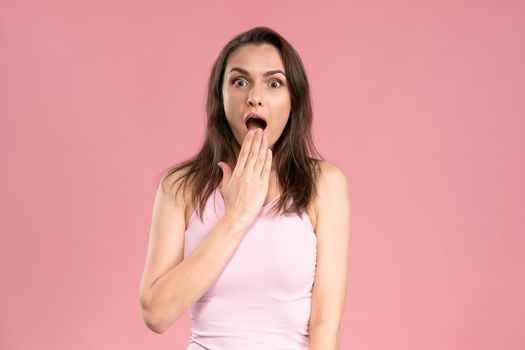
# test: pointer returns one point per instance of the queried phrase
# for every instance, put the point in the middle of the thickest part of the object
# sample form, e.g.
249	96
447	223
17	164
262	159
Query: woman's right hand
244	190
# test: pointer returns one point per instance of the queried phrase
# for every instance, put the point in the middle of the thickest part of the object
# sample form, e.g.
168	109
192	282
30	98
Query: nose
254	98
254	102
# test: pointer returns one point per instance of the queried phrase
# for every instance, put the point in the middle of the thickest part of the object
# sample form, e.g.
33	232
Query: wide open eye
234	82
280	83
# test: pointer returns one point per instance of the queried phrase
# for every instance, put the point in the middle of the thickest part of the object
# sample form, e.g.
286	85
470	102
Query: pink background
420	102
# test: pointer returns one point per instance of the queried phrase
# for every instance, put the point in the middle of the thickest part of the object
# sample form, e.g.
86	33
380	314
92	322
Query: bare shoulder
333	188
170	181
178	194
171	186
332	177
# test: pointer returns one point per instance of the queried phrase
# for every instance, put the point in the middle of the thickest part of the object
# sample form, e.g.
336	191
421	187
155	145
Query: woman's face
246	89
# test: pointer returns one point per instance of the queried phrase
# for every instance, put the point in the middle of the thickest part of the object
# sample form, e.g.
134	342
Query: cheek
281	117
232	101
281	102
286	101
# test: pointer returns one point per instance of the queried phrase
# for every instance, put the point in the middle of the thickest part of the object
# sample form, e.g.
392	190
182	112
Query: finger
261	158
267	166
244	152
254	152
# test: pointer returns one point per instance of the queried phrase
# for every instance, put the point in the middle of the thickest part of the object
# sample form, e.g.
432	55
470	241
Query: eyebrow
270	72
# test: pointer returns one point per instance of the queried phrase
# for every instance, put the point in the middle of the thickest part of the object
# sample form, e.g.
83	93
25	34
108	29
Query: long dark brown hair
297	170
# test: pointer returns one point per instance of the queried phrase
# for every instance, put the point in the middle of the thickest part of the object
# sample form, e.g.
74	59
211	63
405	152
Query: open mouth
253	123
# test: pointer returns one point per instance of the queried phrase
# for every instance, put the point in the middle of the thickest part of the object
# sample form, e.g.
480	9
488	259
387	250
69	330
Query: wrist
235	223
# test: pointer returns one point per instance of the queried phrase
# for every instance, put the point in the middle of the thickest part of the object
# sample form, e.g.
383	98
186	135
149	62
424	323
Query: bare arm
333	245
179	288
171	284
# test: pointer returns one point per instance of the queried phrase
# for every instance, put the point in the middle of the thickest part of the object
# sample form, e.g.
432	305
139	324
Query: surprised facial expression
255	82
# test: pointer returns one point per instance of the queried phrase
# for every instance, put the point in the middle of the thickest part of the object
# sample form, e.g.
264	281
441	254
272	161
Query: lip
255	115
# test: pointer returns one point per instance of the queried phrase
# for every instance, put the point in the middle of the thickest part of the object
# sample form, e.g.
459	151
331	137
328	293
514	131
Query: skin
331	221
333	245
329	213
268	96
247	92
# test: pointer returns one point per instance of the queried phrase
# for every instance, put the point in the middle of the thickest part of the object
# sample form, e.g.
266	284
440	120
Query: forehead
255	58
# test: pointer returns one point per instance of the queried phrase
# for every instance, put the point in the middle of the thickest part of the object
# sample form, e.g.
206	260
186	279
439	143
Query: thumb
226	172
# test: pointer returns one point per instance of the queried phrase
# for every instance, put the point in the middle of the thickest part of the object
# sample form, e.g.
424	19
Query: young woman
252	280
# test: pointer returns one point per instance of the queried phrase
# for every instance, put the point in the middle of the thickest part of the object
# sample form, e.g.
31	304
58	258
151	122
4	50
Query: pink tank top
262	299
